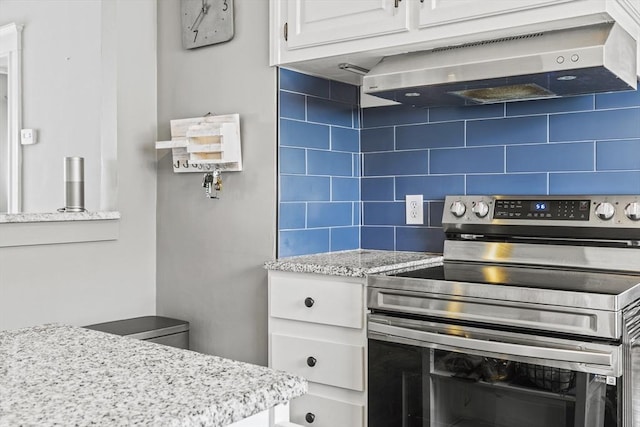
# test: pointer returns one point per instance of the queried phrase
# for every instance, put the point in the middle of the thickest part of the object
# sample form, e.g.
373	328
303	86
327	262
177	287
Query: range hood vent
486	42
591	59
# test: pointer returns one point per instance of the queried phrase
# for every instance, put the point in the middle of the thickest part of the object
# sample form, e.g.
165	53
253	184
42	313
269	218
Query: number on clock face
206	22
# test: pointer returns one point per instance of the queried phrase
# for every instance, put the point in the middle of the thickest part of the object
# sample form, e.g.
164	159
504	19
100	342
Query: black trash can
158	329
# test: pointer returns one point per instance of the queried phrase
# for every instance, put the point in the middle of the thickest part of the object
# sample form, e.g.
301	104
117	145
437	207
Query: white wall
210	252
86	282
3	142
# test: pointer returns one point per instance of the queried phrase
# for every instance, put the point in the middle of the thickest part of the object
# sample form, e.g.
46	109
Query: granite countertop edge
355	263
58	217
224	391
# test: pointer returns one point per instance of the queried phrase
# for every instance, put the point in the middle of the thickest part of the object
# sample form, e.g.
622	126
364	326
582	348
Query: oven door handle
607	358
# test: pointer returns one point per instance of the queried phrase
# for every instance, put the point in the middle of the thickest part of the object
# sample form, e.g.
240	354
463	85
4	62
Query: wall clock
206	22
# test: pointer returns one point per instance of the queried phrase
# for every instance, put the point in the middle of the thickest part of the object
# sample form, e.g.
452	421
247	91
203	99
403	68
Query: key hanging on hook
212	183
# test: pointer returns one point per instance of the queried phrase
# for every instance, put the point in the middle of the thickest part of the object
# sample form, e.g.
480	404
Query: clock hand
198	20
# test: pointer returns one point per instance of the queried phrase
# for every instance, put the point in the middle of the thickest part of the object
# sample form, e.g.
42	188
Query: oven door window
421	387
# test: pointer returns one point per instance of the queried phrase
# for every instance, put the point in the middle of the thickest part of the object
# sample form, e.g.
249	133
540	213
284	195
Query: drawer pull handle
308	301
311	361
309	417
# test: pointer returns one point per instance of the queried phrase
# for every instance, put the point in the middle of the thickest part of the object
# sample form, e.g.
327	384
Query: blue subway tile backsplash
320	162
577	156
512	183
329	214
304	135
595	183
292	106
345	139
396	163
393	115
618	154
602	124
546	106
507	131
304	242
319	165
292	81
292	216
443	114
344	172
329	112
377	189
467	160
384	213
293	161
344	238
420	239
618	99
382	238
345	189
377	139
432	135
432	187
295	188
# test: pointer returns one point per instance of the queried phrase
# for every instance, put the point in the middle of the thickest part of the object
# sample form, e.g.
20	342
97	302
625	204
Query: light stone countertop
63	375
58	216
355	263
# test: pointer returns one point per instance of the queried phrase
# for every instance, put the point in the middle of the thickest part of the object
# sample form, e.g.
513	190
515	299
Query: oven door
429	374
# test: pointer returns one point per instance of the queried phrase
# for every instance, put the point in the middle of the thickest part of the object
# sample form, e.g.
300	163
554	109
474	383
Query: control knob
458	208
632	211
481	209
605	211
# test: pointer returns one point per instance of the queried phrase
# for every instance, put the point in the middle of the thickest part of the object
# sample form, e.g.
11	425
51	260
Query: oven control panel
602	211
542	209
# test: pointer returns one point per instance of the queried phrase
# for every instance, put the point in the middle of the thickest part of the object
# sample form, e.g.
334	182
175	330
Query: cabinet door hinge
286	31
397	3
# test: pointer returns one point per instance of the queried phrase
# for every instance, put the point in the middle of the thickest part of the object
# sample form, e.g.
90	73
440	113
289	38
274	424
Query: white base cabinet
317	329
327	412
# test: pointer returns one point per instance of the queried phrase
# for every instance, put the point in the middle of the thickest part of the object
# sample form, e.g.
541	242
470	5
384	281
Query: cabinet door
316	22
438	12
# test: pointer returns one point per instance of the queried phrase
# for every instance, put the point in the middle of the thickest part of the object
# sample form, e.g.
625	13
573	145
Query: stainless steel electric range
531	321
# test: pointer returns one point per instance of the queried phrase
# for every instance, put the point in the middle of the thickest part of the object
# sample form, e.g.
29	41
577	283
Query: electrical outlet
413	208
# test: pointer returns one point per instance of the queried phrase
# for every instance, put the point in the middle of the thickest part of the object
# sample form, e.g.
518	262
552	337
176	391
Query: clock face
206	22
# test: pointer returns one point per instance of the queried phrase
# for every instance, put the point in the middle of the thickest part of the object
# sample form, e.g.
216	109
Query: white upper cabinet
441	12
315	22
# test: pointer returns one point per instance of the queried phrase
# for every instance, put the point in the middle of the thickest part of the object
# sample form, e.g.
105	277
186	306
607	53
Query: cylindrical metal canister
74	184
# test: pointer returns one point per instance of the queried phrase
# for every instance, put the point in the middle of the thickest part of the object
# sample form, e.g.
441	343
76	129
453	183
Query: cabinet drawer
324	362
330	302
325	412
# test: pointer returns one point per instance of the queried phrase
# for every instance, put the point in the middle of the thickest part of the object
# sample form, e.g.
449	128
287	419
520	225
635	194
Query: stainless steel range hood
597	58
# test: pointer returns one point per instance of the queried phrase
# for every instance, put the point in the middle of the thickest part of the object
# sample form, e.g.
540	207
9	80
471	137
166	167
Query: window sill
57	227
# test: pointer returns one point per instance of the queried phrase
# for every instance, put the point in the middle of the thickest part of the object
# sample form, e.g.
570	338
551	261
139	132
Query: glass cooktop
567	279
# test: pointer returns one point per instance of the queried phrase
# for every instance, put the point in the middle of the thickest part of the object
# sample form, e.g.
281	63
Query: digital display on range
540	206
568	210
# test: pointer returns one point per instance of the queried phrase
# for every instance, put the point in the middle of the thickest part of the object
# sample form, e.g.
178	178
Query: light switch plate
413	206
28	136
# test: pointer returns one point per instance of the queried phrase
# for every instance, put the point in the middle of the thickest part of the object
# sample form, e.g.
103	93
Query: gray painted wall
210	252
61	95
84	283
